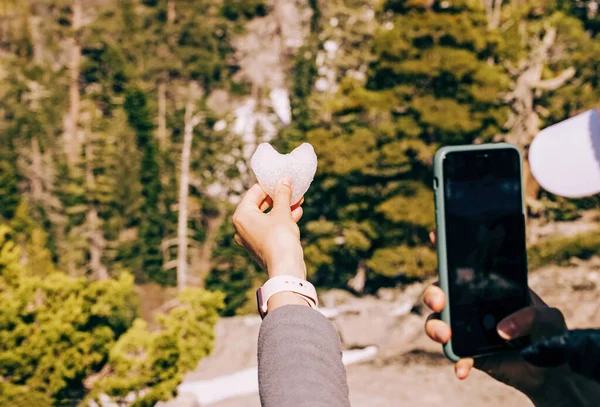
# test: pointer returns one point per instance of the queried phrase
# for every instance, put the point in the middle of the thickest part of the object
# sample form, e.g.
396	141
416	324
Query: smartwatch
284	283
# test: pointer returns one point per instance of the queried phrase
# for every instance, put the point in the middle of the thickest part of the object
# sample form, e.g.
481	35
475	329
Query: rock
335	297
182	400
369	327
387	294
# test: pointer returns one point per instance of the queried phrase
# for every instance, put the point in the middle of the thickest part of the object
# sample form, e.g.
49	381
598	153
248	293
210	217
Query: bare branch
495	23
170	265
511	68
196	120
548	40
555	83
172	242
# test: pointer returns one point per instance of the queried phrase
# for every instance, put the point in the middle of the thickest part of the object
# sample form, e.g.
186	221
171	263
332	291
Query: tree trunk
37	41
94	232
72	138
358	282
525	123
493	10
191	120
202	261
171	13
162	115
36	171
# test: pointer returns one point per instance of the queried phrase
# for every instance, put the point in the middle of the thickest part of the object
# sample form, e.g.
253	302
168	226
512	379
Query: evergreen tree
433	81
151	229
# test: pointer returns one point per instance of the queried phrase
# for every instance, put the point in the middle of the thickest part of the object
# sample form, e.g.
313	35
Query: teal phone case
440	220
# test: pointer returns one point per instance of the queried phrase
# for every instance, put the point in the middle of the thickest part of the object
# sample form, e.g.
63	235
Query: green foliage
583	10
403	260
233	273
21	396
56	330
9	192
560	250
152	364
433	81
151	225
236	9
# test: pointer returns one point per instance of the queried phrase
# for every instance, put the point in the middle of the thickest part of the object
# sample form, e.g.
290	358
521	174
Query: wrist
289	267
285	298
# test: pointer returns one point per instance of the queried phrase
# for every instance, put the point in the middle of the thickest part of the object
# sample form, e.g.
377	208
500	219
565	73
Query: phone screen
486	252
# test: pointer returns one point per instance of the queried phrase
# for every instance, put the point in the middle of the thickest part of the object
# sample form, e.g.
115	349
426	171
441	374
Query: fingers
433	237
437	330
283	197
266	204
255	196
434	298
537	321
297	214
238	240
463	367
297	204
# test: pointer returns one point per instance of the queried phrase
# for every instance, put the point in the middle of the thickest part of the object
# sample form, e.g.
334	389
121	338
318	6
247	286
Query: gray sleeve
300	360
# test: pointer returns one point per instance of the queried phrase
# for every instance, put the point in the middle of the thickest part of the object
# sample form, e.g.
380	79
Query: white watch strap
284	283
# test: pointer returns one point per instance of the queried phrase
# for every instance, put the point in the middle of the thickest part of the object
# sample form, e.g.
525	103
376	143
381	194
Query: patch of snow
330	312
245	120
322	84
401	310
350	357
245	382
221	388
220	125
281	105
331	47
267	128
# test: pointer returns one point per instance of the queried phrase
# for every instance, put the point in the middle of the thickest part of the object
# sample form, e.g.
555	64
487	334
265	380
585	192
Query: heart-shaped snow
269	166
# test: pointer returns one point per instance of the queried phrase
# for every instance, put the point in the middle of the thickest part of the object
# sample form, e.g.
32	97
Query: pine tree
434	80
550	59
151	227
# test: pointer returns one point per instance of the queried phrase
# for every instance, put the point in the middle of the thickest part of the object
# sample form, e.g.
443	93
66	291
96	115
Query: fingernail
461	372
507	329
286	180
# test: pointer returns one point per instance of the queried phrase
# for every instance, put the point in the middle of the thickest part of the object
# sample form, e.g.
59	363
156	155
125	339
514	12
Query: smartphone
482	257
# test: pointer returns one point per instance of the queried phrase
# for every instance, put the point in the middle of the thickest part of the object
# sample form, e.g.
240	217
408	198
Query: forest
126	130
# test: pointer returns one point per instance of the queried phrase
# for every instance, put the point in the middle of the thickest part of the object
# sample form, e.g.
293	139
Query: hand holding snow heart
273	239
269	166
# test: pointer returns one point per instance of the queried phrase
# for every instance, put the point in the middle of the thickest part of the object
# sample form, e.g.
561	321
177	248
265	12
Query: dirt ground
417	380
419	375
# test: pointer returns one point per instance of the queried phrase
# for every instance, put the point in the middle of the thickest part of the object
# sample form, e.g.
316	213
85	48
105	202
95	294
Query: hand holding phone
482	257
537	320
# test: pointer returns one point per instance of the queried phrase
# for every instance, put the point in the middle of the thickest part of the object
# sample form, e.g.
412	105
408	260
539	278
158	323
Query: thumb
539	322
282	201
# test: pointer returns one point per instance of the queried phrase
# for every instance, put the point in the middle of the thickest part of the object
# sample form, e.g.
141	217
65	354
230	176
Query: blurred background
126	129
